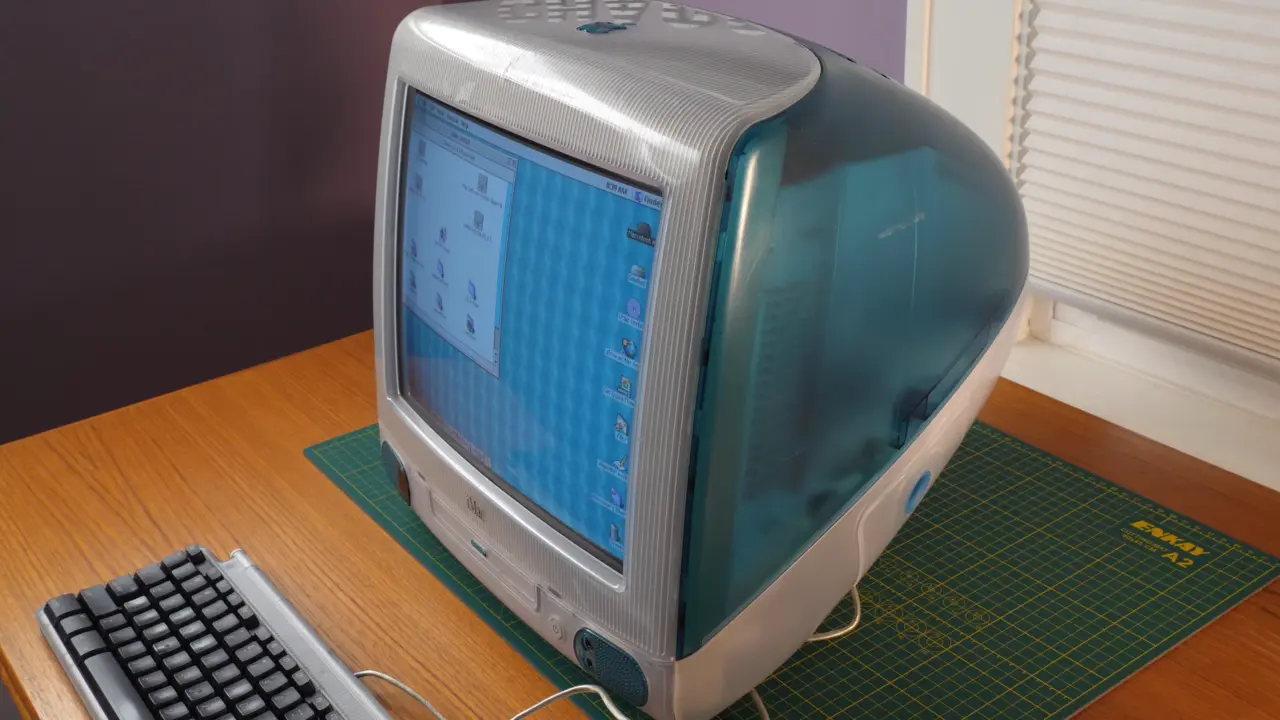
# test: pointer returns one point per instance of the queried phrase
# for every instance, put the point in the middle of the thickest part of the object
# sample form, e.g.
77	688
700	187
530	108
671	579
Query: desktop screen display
524	290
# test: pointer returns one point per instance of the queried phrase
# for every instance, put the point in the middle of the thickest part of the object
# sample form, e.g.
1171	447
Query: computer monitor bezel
617	115
432	419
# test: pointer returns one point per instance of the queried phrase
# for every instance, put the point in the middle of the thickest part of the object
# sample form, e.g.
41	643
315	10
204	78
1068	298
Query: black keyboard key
164	646
124	588
176	711
192	630
247	617
224	676
249	652
285	700
275	649
182	616
111	622
155	632
234	600
211	708
174	560
288	664
141	665
145	619
131	651
304	684
151	575
164	696
152	680
260	667
73	624
197	694
137	605
273	682
123	636
224	624
195	554
177	661
114	690
188	675
202	645
87	644
182	572
250	706
194	583
237	690
213	660
302	712
236	638
211	571
215	610
162	591
204	597
172	603
97	601
223	587
62	606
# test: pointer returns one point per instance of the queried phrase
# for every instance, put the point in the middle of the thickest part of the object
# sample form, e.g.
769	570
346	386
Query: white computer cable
576	690
853	624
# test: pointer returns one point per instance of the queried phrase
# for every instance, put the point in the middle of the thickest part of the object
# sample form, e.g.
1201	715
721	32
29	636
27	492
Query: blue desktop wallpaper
554	423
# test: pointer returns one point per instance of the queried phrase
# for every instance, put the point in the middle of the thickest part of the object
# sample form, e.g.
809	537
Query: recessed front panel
524	285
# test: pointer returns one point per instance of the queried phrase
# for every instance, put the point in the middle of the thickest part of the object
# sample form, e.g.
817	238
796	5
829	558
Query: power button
556	628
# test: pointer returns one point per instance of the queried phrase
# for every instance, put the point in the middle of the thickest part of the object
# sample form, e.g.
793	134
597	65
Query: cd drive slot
477	545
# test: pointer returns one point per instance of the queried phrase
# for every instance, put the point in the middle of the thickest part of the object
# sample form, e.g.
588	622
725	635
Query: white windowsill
1217	432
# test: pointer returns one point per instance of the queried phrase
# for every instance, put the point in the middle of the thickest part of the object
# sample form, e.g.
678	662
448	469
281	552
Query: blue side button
917	492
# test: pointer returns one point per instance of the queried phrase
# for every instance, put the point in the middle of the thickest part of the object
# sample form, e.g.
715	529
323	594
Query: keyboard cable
604	696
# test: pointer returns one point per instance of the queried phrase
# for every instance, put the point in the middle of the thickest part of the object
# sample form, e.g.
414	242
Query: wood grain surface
221	464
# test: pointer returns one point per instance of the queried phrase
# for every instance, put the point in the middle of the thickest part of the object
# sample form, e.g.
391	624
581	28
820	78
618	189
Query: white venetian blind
1147	151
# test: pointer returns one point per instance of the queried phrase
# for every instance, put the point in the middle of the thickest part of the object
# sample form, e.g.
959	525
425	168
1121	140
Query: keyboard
191	638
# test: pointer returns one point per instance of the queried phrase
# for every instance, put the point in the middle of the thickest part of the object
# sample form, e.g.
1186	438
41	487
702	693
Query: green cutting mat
1022	587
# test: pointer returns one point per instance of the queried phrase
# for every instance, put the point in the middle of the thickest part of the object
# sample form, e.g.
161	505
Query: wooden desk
221	464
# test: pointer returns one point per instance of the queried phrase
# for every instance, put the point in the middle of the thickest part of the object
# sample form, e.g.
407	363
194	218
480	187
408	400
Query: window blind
1146	146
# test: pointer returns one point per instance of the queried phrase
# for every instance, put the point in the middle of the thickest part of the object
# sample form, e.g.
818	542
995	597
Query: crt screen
524	291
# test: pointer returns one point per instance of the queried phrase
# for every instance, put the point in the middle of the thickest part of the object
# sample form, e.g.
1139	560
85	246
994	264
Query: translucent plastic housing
872	247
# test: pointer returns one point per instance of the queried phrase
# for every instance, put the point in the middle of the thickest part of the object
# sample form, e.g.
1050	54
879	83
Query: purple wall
873	32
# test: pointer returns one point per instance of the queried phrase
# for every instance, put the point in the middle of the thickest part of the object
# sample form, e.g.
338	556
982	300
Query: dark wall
186	189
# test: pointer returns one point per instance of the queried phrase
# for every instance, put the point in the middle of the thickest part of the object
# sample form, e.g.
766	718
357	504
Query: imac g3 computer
677	318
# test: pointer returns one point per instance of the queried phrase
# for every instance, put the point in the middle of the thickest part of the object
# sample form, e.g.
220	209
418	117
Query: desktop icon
439	302
629	349
417	183
477	221
422	148
471	290
413	283
440	269
616	498
620	426
444	236
633	308
482	184
624	386
621	463
471	325
614	533
413	248
641	233
637	275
